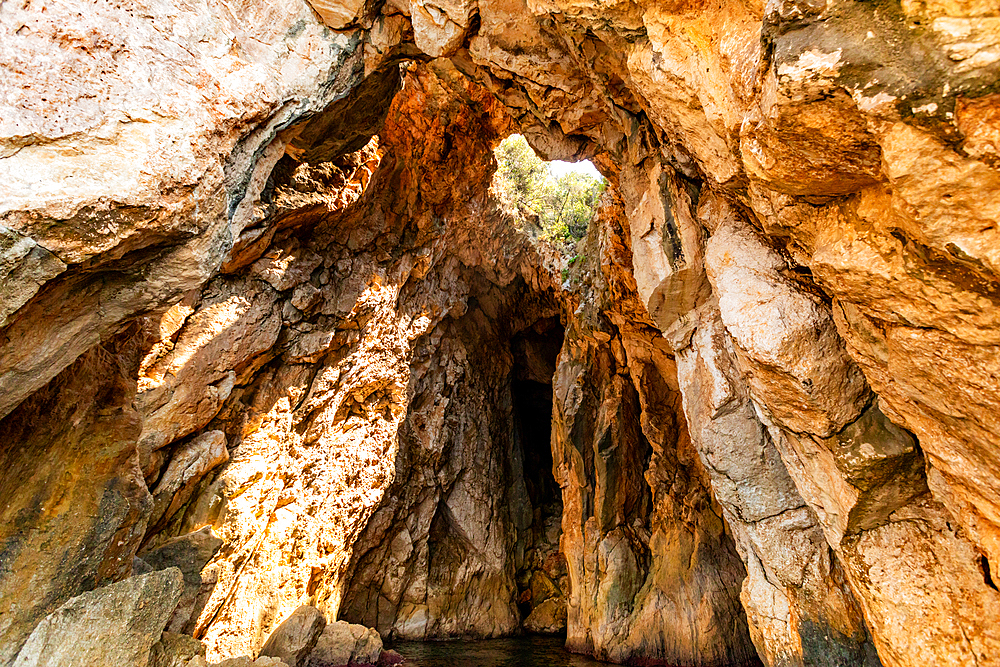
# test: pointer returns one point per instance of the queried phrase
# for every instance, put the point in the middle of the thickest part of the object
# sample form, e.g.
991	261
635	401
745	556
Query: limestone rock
633	485
244	661
795	610
114	625
24	267
176	650
75	505
190	553
798	367
775	408
182	390
296	637
186	468
136	159
924	553
549	617
315	423
345	644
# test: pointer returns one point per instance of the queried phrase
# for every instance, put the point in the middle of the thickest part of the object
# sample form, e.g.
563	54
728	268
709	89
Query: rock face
75	505
653	570
114	625
189	553
263	318
176	650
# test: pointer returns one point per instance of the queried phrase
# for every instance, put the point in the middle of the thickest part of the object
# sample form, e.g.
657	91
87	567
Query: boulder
244	661
190	553
547	618
346	644
115	625
176	650
390	658
296	637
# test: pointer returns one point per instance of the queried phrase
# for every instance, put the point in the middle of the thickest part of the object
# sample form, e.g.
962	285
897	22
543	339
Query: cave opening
540	567
558	197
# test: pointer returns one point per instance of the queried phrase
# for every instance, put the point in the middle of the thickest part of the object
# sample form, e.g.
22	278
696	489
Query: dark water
511	652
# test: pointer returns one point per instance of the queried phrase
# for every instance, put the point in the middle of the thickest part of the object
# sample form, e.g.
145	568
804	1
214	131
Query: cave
540	568
288	378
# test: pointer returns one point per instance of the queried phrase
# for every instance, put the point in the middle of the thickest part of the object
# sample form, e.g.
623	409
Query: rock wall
342	359
654	572
254	279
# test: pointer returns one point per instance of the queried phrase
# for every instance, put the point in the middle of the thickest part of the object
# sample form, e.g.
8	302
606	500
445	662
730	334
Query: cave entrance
540	568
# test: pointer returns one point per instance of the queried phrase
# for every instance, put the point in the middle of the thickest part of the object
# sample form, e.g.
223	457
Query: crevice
984	567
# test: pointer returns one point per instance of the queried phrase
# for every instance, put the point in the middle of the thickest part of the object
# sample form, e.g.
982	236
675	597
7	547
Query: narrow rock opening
541	575
984	566
559	197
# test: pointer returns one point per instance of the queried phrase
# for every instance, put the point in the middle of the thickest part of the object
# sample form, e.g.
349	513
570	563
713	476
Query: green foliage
564	205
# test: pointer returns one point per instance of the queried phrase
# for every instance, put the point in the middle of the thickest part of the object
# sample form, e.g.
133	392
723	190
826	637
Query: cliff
255	280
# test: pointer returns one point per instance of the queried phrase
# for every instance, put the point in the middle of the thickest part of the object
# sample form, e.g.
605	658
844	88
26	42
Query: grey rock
176	650
244	661
24	267
115	625
139	566
190	553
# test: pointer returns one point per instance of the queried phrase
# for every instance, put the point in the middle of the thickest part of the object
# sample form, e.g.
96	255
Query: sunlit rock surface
257	298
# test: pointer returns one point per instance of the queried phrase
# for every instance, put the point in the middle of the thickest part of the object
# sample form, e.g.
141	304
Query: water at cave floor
527	651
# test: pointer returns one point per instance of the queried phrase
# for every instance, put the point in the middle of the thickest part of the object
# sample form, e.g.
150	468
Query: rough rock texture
244	661
114	625
75	506
331	325
774	415
653	570
189	553
344	644
296	637
176	650
137	154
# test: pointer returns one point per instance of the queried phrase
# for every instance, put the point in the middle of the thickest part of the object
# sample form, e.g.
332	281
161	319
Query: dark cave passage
465	543
541	576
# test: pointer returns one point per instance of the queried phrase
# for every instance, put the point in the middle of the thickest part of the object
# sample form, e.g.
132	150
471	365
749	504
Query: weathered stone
855	480
140	153
24	267
641	532
181	391
797	365
175	650
354	318
344	644
114	625
798	613
74	504
548	617
187	466
296	637
190	553
244	661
